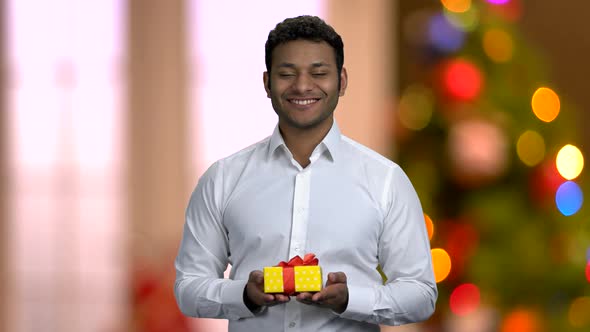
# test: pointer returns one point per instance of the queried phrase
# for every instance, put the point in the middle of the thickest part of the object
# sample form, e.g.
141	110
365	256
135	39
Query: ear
266	80
343	81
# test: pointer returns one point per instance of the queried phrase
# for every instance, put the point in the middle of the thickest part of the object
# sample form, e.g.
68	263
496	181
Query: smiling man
306	189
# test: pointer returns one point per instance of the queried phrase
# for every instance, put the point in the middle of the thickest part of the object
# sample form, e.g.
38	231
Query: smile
303	101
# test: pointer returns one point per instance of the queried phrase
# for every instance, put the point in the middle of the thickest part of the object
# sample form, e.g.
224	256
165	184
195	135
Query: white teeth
303	101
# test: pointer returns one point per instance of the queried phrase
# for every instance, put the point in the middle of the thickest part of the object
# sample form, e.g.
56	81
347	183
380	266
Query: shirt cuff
360	303
233	300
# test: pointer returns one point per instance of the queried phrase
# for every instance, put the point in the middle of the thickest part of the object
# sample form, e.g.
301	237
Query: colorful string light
569	198
464	299
545	104
570	162
441	262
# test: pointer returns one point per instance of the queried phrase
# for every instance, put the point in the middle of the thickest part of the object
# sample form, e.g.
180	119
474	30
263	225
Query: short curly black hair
308	28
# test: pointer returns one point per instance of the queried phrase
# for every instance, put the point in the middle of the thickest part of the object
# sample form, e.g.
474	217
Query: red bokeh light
588	271
464	299
510	11
521	320
462	80
543	183
461	241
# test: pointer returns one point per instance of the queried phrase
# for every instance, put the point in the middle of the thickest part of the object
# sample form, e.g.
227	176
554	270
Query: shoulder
234	162
367	156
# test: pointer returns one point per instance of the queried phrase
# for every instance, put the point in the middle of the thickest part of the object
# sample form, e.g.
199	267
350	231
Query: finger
276	299
282	298
256	277
330	293
335	278
319	297
304	296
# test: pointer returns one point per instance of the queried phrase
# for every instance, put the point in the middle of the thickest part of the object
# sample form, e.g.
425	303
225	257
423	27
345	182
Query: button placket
300	213
298	238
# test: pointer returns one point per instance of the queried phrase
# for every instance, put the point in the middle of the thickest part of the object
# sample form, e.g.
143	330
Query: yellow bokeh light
441	262
415	107
466	21
498	45
578	312
545	104
457	6
530	148
570	162
429	226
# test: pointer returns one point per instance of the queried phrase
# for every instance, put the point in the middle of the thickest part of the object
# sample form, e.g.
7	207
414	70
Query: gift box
297	275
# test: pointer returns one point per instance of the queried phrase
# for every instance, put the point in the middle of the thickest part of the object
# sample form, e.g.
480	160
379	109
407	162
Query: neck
302	142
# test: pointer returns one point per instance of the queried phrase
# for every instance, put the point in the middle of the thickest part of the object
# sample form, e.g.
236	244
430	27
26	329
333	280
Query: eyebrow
292	65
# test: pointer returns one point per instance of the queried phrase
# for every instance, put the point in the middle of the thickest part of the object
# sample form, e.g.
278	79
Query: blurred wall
365	113
3	177
157	127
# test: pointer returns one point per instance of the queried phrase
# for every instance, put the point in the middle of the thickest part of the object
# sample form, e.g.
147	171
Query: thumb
336	278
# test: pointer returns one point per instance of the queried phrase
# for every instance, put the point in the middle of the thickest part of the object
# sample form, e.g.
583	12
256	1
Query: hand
254	295
333	296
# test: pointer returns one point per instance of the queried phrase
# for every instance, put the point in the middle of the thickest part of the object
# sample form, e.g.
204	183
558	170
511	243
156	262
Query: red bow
289	273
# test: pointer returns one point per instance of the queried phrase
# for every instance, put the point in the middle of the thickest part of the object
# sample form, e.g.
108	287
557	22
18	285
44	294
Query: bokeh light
570	162
498	45
543	183
457	6
569	198
415	107
521	320
579	312
462	80
588	271
478	151
466	21
498	2
441	262
530	148
510	11
429	226
464	299
545	104
443	35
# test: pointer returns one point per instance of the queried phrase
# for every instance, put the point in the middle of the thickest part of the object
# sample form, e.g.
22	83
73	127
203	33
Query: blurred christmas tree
492	151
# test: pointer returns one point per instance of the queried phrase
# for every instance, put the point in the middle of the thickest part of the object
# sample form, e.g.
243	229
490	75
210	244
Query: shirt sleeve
410	292
200	289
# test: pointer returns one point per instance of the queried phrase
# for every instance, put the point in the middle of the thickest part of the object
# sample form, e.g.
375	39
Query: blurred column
157	126
3	178
157	153
365	113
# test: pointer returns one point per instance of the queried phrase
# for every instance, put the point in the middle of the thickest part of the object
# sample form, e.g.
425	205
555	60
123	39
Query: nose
303	83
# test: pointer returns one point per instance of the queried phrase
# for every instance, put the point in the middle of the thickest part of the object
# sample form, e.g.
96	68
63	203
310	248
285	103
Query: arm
200	289
404	255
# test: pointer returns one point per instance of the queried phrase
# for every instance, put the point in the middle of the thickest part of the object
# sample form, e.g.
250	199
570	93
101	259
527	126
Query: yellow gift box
299	275
308	278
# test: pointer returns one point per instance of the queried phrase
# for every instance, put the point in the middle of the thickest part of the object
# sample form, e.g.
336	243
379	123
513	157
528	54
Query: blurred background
112	109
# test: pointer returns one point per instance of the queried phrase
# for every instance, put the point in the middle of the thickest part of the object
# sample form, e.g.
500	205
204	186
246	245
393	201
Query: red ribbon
289	271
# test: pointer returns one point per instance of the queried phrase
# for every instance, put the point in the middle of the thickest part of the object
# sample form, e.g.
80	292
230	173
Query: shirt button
292	324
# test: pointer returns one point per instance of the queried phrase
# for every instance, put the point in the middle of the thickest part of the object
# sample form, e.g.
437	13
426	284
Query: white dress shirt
350	206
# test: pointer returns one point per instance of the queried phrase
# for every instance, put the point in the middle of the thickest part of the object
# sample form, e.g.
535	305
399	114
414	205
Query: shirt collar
331	141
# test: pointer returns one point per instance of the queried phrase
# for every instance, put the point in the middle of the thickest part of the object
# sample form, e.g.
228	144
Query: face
303	84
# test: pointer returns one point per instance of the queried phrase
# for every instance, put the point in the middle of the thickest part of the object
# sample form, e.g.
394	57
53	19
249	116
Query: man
306	189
